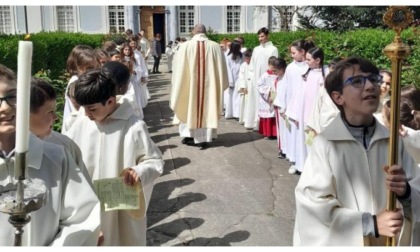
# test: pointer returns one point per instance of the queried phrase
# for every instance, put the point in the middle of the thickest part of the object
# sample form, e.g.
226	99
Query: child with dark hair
123	78
231	95
43	116
302	103
169	56
409	119
342	195
119	145
81	59
114	55
70	216
267	86
102	55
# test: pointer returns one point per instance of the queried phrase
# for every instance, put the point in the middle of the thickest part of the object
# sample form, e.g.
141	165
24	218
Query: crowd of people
330	123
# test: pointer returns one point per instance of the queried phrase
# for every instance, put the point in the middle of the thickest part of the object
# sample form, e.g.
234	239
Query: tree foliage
343	18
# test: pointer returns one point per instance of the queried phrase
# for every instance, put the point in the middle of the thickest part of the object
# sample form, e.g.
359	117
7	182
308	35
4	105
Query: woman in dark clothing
156	52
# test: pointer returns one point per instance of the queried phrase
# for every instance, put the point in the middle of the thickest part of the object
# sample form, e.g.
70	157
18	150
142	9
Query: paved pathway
235	193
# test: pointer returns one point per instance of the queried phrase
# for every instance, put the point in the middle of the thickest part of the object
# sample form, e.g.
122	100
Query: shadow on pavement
164	204
165	232
174	163
164	148
159	138
237	236
234	138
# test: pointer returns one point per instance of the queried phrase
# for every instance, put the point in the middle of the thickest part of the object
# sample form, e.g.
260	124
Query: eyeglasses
359	81
11	100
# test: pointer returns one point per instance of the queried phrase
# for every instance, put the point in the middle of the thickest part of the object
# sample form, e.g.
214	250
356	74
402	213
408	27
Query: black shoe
170	72
188	140
202	146
158	72
298	173
282	155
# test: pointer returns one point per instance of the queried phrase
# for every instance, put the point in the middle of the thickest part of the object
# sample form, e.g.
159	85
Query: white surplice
231	95
292	82
122	141
342	180
259	65
323	113
247	103
71	214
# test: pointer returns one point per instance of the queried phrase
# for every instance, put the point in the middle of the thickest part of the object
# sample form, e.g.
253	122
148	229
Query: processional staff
397	18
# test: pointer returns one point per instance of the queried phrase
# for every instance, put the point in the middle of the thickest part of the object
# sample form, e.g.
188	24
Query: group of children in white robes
103	137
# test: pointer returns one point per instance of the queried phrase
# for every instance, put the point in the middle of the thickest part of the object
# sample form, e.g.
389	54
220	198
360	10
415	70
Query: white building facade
170	21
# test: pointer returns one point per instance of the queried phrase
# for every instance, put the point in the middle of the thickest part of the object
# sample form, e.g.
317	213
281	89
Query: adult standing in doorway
259	65
198	80
156	53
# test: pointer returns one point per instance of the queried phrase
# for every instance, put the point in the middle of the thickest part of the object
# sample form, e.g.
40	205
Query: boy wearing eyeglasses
341	197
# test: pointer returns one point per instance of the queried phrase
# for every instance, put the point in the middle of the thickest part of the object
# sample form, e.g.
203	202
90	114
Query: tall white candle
23	95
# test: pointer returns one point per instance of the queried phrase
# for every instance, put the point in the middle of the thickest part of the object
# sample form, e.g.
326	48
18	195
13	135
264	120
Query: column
172	22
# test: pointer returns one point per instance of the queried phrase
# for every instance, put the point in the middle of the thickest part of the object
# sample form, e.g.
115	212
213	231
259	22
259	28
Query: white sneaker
292	170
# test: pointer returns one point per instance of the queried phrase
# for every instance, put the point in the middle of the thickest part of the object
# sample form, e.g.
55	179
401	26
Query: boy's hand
390	223
101	239
403	131
395	180
130	176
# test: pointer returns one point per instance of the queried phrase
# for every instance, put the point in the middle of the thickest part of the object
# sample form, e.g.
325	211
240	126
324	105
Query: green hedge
367	43
50	49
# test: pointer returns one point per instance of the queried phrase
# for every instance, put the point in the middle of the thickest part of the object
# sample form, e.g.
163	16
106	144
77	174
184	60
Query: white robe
247	105
169	56
280	121
292	82
300	108
69	108
144	47
73	149
412	144
198	81
341	181
71	216
140	87
231	95
135	100
323	113
259	65
122	141
266	86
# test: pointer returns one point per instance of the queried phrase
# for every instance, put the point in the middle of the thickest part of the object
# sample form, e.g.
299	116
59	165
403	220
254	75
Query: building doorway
159	27
152	21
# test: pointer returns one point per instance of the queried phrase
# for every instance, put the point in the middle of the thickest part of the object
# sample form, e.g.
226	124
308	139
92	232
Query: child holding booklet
118	145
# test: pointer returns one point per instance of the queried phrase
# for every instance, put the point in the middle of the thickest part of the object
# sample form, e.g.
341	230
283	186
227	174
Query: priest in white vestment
198	80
